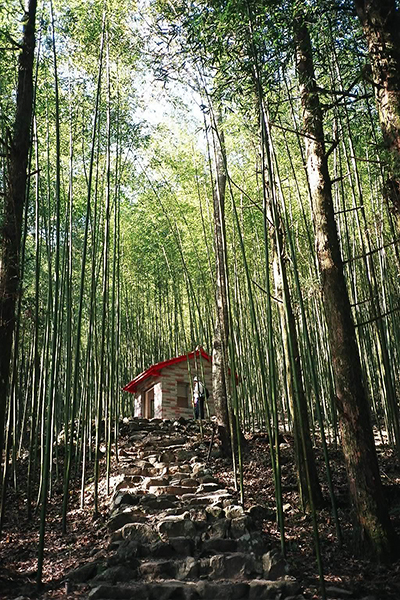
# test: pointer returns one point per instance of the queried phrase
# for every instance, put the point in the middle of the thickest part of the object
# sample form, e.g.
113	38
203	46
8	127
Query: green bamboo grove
135	112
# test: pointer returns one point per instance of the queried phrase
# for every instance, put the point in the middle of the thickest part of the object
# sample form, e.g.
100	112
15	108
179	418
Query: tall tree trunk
14	202
372	525
380	20
221	331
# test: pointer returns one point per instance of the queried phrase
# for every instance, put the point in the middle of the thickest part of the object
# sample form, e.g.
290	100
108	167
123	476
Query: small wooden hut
164	390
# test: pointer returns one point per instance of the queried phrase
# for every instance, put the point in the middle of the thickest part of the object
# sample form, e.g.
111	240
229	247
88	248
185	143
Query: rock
255	543
118	573
274	565
181	469
198	515
263	588
185	455
259	512
182	545
160	503
127	552
124	497
172	511
173	518
233	511
214	511
222	590
139	532
160	550
239	526
197	468
211	498
172	441
127	516
161	569
187	569
208	479
170	590
189	482
154	481
219	545
337	592
181	528
167	457
141	464
177	490
206	488
232	566
139	592
217	529
84	573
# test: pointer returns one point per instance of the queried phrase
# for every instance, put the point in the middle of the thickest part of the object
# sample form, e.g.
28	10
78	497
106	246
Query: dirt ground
346	576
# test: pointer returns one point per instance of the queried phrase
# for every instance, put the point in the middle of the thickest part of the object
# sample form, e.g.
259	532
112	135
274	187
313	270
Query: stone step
127	515
149	482
211	498
234	566
176	490
257	589
180	476
131	470
158	503
149	455
187	482
168	442
177	533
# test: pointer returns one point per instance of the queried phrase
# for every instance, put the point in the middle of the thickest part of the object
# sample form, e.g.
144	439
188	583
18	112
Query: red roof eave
155	370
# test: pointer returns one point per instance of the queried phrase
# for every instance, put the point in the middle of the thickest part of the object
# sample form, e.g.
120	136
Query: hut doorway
149	403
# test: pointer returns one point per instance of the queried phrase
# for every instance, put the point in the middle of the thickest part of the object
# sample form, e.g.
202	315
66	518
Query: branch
14	43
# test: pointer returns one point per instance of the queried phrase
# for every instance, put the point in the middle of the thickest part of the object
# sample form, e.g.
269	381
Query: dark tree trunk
373	529
14	202
221	331
380	20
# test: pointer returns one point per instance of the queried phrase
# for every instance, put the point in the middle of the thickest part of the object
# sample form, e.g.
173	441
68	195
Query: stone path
176	533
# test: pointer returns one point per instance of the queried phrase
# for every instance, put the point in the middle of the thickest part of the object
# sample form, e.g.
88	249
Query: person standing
199	396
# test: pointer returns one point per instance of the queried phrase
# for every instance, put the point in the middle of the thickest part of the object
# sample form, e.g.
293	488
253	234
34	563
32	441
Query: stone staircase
176	533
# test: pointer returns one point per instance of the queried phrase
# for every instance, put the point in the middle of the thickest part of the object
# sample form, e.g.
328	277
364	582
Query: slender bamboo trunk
221	330
77	361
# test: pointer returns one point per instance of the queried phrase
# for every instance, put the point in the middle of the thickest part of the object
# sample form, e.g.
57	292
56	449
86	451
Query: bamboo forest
199	299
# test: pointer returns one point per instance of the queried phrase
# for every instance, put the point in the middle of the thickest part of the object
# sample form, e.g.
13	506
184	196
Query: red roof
155	370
